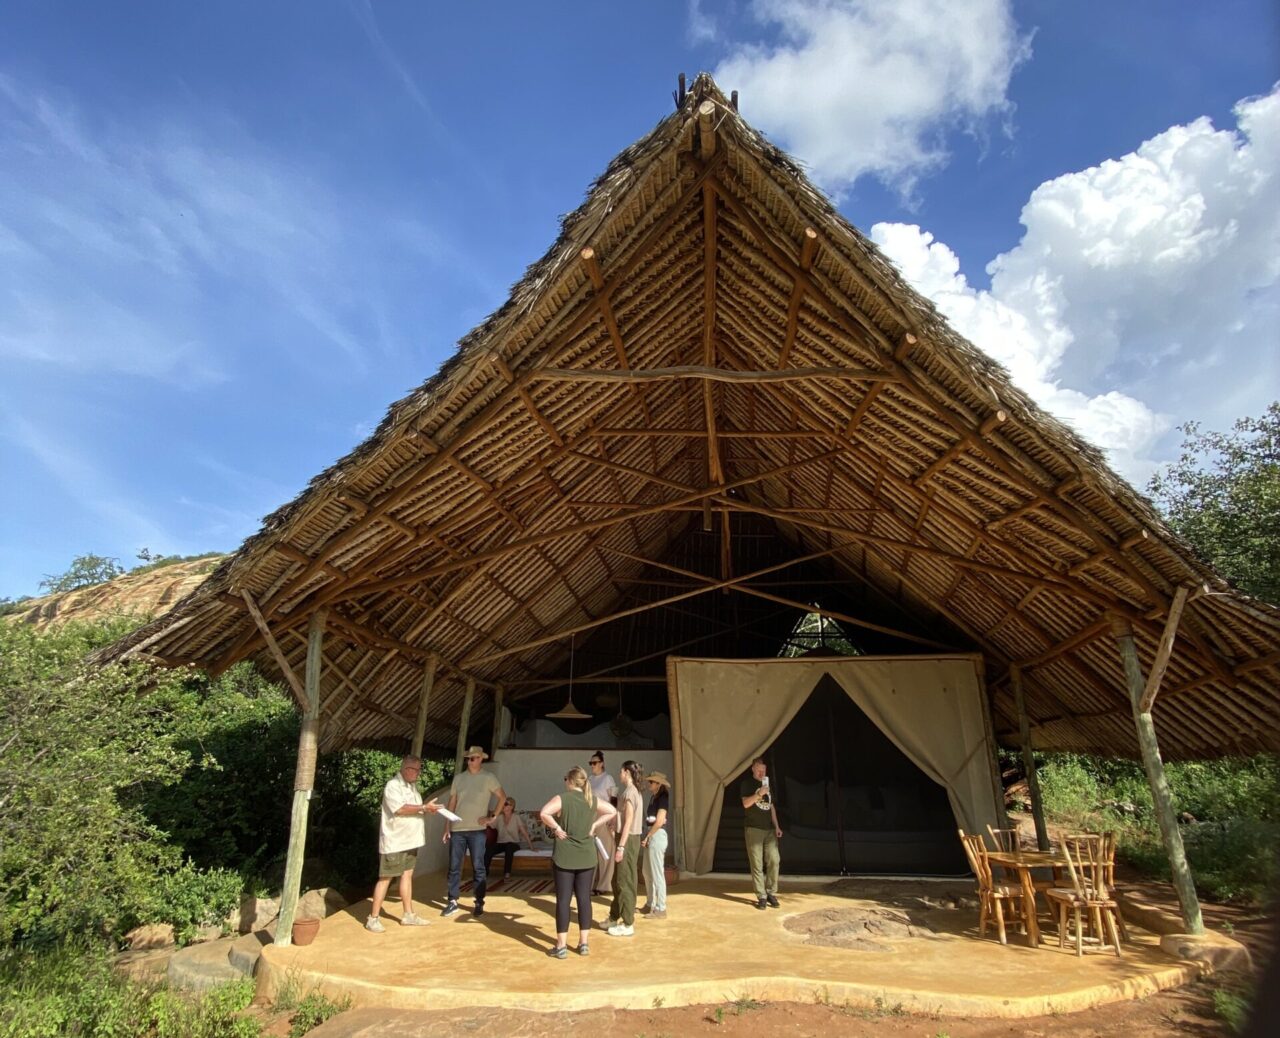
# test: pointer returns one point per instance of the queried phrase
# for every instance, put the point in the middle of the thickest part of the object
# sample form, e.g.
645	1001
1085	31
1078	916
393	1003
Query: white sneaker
414	920
622	930
374	925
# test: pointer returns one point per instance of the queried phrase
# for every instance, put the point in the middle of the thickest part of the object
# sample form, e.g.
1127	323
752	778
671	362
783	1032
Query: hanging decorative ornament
569	711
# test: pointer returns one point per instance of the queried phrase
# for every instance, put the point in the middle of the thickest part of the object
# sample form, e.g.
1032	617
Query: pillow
537	831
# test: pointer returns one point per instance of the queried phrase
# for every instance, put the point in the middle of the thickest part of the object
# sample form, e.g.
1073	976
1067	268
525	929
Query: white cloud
153	250
702	26
873	86
1153	277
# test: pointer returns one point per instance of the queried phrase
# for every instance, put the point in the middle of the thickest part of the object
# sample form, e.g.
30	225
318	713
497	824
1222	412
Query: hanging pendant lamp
569	712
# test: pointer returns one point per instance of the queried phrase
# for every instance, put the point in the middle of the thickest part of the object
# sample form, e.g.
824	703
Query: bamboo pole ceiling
710	339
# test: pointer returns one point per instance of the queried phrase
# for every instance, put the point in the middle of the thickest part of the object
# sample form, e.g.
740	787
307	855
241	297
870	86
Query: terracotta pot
305	930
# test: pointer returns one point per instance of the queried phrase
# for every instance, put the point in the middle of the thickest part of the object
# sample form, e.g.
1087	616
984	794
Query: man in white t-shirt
400	833
470	797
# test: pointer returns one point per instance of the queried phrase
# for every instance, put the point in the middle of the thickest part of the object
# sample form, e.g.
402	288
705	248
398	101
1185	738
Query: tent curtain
730	711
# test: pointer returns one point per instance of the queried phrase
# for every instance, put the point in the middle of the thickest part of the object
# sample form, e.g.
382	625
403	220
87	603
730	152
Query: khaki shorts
397	863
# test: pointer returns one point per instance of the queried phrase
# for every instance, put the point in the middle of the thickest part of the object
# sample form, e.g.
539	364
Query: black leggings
571	883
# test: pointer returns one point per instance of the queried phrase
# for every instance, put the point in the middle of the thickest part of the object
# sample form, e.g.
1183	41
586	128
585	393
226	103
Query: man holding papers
469	799
400	833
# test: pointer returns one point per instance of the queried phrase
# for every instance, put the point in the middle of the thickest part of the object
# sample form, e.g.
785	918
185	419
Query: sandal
559	953
584	949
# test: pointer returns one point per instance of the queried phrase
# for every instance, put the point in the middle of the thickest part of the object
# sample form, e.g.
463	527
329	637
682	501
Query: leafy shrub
76	854
73	989
1232	842
191	898
314	1010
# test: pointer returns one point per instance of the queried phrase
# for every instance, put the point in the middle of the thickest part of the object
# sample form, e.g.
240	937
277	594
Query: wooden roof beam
808	247
707	372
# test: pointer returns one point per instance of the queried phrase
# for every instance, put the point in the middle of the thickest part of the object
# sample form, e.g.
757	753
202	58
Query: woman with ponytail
622	913
573	818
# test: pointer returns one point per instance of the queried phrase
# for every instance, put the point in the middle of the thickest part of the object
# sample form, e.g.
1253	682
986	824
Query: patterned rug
519	885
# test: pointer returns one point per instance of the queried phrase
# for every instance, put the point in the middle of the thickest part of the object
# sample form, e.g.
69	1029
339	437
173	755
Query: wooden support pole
1160	794
303	781
424	701
677	767
463	723
498	696
1028	758
277	654
993	747
1163	653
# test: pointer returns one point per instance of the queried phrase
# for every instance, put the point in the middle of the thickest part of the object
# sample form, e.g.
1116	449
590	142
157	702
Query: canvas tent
729	711
712	402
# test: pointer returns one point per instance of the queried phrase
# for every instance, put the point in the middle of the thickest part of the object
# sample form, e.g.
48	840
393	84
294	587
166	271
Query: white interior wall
533	777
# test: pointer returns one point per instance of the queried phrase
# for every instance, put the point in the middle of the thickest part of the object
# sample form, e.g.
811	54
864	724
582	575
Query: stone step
247	950
199	967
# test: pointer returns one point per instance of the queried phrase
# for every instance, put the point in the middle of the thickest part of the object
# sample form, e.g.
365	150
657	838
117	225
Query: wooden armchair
991	894
1090	892
1004	839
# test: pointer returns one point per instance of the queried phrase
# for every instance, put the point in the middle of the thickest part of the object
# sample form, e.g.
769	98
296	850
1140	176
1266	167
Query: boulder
152	935
320	903
253	914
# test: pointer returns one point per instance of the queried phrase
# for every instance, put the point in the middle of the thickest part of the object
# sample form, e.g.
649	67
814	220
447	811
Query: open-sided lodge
711	409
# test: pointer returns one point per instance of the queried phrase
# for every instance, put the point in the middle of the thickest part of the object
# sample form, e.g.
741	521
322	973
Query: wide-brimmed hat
659	778
475	751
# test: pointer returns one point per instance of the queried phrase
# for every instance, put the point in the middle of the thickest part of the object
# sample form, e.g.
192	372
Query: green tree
85	571
1223	496
77	741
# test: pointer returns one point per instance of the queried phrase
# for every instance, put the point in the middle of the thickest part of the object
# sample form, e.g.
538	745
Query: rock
253	914
1187	818
320	903
152	935
200	967
207	933
247	950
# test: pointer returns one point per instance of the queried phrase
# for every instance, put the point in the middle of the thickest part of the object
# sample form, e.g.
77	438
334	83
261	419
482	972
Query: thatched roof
710	344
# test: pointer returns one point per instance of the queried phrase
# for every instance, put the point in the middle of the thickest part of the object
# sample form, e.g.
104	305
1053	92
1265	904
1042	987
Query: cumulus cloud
1157	273
873	86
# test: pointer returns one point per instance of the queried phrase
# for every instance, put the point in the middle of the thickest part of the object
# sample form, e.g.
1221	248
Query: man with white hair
401	832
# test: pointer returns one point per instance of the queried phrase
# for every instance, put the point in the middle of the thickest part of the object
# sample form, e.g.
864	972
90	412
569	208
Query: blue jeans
469	840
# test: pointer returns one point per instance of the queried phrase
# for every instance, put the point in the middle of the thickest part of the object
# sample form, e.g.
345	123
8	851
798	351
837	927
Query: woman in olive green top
573	817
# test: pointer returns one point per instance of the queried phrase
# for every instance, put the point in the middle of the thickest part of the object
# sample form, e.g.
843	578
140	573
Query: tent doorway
849	801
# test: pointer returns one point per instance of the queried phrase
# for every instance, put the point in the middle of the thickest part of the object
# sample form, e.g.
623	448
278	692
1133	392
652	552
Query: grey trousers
655	876
764	859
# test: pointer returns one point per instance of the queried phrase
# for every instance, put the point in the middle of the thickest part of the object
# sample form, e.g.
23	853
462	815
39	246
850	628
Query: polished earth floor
713	945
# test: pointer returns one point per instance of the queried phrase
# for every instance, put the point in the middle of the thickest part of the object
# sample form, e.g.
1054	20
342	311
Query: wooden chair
1089	892
1109	863
1004	839
991	894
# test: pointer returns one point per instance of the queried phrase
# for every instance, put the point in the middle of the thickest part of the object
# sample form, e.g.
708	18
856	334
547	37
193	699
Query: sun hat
475	751
659	778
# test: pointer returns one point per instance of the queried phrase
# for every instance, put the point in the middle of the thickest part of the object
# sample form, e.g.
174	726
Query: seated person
510	828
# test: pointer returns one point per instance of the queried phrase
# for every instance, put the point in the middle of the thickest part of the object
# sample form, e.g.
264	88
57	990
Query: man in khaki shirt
470	797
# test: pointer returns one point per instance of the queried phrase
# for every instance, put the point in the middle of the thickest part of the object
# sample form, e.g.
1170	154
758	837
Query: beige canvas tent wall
710	347
726	712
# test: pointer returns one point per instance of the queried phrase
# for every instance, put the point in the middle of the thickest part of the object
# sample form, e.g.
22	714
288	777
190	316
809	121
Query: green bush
72	989
1231	844
190	899
76	853
314	1010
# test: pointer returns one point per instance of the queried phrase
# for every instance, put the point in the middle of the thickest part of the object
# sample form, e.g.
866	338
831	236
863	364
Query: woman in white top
510	829
603	786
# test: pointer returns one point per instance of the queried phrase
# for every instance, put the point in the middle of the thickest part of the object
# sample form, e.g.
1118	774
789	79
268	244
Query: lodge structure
711	409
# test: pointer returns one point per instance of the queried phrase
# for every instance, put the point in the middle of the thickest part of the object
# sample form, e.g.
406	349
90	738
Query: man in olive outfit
762	834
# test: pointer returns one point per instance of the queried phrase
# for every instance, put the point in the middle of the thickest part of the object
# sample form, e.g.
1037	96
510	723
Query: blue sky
232	233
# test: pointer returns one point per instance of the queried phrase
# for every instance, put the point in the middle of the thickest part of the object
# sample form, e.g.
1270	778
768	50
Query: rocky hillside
146	594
